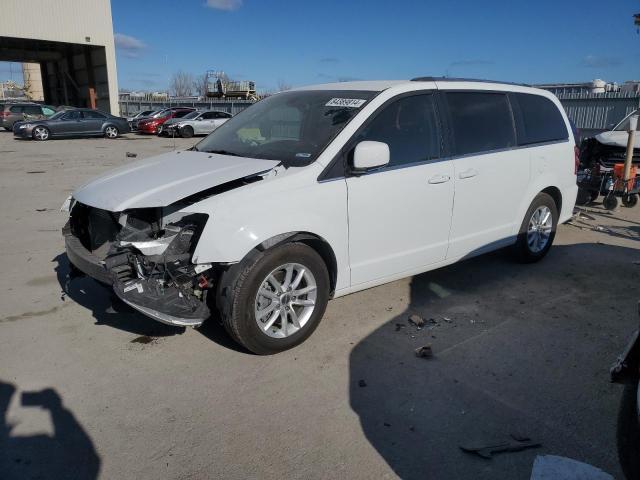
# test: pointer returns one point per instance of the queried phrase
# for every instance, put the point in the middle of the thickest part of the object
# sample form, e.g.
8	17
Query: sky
305	42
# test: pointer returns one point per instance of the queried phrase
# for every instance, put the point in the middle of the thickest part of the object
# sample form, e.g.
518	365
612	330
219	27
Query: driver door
69	124
400	215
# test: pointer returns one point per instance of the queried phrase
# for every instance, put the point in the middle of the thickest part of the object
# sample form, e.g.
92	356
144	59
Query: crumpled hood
173	121
162	180
617	139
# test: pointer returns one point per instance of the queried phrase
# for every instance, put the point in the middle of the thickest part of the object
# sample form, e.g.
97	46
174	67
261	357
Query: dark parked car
150	125
77	122
11	113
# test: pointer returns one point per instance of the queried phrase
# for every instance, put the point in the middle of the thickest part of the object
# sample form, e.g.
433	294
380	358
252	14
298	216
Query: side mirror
369	154
199	119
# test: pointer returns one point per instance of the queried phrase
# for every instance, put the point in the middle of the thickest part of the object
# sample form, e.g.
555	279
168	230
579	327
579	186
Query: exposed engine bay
147	254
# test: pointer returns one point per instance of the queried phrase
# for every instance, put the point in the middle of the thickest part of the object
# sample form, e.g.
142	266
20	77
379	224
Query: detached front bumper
167	303
84	260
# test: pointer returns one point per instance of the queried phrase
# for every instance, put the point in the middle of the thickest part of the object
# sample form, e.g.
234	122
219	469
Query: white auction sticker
345	102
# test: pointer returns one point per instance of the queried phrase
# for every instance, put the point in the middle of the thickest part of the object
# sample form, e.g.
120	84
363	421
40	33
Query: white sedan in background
195	123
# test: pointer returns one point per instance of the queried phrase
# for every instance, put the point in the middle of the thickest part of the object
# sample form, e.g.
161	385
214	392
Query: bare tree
181	84
200	85
283	85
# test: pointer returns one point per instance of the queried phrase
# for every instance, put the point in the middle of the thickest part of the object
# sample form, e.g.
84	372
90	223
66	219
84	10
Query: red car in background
150	125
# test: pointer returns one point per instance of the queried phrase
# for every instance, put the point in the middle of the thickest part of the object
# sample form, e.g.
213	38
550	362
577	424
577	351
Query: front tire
186	132
41	133
629	431
274	300
538	229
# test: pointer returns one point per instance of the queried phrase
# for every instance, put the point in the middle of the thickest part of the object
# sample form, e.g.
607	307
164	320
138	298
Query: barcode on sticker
345	102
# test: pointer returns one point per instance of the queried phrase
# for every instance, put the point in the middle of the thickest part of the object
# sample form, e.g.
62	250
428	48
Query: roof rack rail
454	79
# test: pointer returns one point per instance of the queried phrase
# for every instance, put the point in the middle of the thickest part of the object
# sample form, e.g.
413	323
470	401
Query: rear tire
538	229
630	200
238	297
111	132
186	132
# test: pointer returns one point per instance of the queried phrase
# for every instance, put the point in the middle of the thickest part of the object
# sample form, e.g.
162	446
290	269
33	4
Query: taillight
4	114
576	153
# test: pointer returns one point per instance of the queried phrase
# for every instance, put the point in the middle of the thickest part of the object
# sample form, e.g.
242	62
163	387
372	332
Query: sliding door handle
439	179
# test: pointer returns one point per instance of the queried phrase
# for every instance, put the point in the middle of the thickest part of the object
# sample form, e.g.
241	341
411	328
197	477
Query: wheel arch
556	194
316	242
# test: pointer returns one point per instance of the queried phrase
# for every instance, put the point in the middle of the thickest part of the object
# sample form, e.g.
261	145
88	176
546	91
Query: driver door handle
472	172
439	179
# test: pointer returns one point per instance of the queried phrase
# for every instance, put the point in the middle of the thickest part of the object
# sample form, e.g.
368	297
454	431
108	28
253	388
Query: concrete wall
86	22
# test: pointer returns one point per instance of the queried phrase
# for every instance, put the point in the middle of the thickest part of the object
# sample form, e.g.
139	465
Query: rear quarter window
541	120
481	121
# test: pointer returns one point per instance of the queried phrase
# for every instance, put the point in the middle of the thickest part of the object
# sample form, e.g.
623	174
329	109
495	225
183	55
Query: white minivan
323	191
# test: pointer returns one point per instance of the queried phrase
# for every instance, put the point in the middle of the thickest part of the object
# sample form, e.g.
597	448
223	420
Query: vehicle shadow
516	351
105	307
69	453
108	309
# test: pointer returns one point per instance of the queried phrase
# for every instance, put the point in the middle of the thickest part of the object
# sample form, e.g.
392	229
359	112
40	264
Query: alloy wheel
285	300
111	132
41	133
539	231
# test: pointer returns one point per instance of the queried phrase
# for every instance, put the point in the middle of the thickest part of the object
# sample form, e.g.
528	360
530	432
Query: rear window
480	121
541	120
32	110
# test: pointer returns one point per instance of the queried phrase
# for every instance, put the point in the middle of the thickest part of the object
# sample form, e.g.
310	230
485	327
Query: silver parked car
194	123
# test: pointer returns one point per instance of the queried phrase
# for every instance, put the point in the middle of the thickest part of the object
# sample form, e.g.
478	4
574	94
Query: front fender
242	219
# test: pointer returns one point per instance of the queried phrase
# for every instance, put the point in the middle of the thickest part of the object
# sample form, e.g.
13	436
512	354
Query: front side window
209	115
409	127
293	127
32	110
48	111
480	121
73	115
541	120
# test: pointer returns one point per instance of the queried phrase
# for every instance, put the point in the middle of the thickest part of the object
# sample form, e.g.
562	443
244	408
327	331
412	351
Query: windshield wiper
223	152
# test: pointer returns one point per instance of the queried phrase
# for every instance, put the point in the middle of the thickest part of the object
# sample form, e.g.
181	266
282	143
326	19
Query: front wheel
111	132
186	132
538	229
274	300
629	431
41	133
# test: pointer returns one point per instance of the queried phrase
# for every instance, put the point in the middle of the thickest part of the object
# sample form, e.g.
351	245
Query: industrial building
67	50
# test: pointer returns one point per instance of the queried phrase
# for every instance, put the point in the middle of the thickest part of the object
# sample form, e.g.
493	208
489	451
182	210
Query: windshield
191	115
293	127
623	126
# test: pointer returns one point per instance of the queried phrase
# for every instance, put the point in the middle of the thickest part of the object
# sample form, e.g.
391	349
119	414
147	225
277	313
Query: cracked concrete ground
524	349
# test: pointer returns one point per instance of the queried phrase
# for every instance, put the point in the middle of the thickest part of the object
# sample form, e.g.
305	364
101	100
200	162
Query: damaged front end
145	255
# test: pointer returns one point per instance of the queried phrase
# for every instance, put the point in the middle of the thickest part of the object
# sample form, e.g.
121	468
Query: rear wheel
630	200
186	132
274	300
41	133
538	229
111	132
